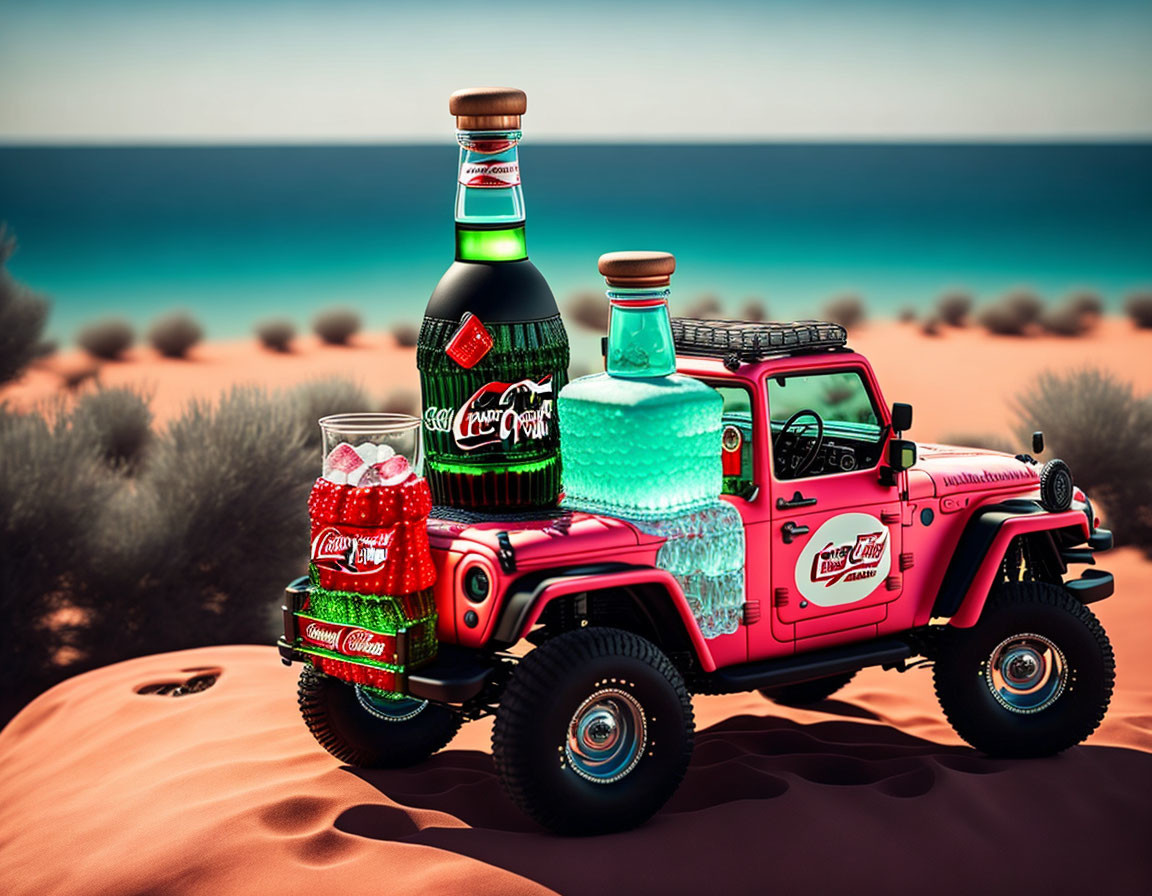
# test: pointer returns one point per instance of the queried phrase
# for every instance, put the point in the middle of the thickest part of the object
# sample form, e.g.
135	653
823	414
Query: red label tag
470	342
347	639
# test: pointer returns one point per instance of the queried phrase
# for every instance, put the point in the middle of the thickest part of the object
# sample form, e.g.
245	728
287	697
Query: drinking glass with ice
370	449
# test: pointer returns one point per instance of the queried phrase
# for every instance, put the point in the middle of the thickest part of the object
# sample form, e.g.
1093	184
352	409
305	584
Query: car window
851	425
736	439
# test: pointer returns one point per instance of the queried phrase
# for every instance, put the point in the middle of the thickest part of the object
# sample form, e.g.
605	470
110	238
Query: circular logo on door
845	560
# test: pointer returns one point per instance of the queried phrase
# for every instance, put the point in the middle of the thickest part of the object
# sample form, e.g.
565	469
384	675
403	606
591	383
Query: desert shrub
117	422
953	308
277	334
1067	320
174	333
705	307
336	325
401	401
1103	430
588	310
22	318
981	440
848	311
930	326
1013	315
216	527
754	310
52	489
906	315
310	401
1087	303
1139	309
47	348
106	339
406	335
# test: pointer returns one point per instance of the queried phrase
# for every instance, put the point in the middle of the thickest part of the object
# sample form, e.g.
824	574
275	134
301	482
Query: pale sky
263	71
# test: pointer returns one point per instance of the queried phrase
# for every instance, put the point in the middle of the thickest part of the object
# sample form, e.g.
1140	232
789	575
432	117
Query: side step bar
809	666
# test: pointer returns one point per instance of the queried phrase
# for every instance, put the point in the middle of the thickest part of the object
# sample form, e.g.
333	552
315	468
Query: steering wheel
786	441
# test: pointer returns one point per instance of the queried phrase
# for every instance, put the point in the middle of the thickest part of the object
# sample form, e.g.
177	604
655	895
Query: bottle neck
640	333
489	199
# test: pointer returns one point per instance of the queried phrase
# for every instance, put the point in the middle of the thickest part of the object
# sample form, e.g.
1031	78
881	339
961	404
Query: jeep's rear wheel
362	729
805	693
594	732
1033	677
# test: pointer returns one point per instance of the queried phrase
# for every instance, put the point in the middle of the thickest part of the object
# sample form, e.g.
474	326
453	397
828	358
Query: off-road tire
353	735
805	693
961	673
540	702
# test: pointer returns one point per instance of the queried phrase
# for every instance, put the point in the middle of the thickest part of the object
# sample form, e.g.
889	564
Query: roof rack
739	341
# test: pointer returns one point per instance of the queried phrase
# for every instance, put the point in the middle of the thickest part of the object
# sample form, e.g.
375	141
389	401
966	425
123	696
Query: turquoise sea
241	233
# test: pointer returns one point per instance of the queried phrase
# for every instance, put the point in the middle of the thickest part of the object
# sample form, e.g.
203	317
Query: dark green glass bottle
492	352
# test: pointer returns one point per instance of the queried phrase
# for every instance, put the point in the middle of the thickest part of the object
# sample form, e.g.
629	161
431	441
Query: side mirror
901	416
1037	442
901	454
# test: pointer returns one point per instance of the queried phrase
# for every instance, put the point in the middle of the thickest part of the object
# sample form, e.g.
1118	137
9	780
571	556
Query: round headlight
476	584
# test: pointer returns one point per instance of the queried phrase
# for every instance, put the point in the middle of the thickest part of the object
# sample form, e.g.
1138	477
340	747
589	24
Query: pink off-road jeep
861	549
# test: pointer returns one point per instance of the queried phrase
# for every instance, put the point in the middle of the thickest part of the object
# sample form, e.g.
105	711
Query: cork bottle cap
488	108
637	270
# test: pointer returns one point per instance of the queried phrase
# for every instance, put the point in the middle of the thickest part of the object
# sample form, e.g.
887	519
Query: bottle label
491	174
506	414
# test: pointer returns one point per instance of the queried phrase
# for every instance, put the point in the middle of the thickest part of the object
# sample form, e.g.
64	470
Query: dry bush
401	401
953	308
336	325
1087	303
22	318
848	311
1139	309
53	489
980	440
705	307
46	349
277	334
106	339
312	400
406	335
1103	430
906	315
174	333
117	422
1067	320
588	310
215	528
930	326
1014	315
754	310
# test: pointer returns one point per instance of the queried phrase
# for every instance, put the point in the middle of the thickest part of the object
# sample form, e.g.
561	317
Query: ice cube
343	458
354	476
337	477
383	452
367	452
390	472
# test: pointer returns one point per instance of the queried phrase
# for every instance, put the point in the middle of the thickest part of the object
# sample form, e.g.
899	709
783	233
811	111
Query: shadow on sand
835	806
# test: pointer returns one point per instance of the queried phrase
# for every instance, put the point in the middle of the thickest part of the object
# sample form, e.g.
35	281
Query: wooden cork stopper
488	108
637	270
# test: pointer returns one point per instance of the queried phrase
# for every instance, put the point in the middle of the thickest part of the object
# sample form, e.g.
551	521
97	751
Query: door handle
797	500
791	530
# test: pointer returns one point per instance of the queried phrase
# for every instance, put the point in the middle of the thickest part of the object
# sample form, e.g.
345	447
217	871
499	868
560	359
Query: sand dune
110	791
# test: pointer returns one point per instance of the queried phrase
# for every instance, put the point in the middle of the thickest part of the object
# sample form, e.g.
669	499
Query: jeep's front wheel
360	728
1033	677
594	732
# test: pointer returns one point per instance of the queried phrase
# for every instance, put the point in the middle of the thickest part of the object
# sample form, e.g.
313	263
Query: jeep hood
953	470
566	537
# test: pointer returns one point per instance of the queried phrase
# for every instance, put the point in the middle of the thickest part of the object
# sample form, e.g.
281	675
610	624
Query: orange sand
106	791
960	381
110	792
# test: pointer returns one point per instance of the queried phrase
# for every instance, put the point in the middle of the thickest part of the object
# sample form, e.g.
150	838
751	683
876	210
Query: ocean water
237	234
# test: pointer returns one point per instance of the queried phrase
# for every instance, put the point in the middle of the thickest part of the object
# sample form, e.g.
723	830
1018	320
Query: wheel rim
389	710
1026	673
606	737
